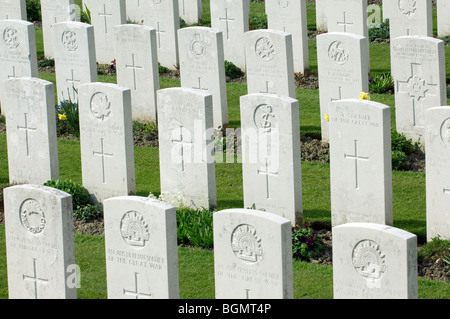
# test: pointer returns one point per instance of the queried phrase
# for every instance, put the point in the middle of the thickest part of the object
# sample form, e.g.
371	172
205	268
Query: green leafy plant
306	243
80	196
258	21
232	71
195	227
380	33
46	62
402	147
381	83
34	10
85	15
87	213
67	114
162	69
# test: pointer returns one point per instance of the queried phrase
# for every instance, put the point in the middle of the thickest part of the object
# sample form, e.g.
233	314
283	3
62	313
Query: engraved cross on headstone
158	32
340	95
102	154
418	90
105	16
27	130
266	171
200	85
73	81
35	279
356	158
267	89
227	21
180	140
136	294
134	67
345	23
14	73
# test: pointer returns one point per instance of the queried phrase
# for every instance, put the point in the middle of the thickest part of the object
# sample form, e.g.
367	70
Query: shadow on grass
415	226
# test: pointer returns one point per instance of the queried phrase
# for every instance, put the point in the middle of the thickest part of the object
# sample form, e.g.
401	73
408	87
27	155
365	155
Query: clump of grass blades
195	227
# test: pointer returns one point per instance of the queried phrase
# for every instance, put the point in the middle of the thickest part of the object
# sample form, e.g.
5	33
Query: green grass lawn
196	265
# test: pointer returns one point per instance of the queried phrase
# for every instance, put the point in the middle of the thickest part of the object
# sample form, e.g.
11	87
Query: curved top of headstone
417	38
16	22
252	214
340	35
199	29
141	200
34	188
74	24
360	102
367	229
132	26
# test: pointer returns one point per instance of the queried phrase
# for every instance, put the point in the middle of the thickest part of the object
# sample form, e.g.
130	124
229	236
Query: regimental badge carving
134	229
263	118
69	40
246	245
32	216
10	38
445	132
264	49
368	259
197	46
338	53
417	87
283	3
407	7
100	106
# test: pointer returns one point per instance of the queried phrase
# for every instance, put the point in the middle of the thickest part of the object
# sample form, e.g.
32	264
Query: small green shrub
67	117
80	196
162	69
183	23
380	33
87	213
46	62
232	71
34	10
401	149
85	15
435	247
306	243
381	83
195	227
258	21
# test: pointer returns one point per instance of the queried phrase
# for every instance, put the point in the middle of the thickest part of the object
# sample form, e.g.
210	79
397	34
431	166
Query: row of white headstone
405	16
252	252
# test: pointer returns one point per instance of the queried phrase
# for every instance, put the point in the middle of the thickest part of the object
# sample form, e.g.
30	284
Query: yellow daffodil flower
62	117
327	117
364	96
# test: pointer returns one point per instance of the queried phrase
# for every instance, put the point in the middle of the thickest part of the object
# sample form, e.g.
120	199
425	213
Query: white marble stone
53	12
321	15
252	255
75	58
290	17
360	162
106	141
137	68
410	18
373	261
343	65
105	15
187	168
202	67
164	16
348	16
141	248
191	11
136	11
443	18
13	9
437	140
272	177
418	69
31	130
40	249
270	62
232	18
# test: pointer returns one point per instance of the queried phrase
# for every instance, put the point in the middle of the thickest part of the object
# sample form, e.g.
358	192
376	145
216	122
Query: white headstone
191	11
185	122
31	130
18	55
410	18
343	64
105	15
290	17
270	62
272	176
437	140
373	261
136	11
232	18
386	8
321	15
141	248
443	18
13	9
40	248
202	67
360	162
106	140
418	69
252	255
348	16
54	12
137	68
75	59
165	18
